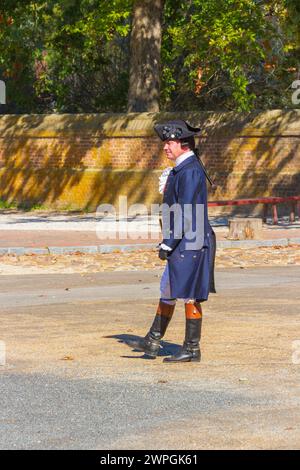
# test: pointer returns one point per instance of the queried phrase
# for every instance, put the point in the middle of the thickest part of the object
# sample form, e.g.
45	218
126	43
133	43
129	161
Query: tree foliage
215	48
74	55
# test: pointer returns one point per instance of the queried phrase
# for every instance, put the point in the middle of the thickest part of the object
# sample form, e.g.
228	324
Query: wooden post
265	213
292	212
275	215
245	228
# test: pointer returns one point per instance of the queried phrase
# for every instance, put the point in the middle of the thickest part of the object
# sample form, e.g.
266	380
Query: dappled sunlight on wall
80	161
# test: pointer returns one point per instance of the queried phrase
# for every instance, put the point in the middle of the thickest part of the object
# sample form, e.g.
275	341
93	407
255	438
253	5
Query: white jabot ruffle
163	179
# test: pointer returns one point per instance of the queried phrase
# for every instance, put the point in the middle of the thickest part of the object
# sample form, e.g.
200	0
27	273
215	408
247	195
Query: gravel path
142	260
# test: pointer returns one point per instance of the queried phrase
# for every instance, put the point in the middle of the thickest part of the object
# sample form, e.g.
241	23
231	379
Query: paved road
71	379
17	291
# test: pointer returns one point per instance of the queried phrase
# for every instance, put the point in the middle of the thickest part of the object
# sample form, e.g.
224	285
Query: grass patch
7	205
36	206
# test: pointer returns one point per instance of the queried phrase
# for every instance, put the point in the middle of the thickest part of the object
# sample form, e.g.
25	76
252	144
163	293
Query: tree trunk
145	45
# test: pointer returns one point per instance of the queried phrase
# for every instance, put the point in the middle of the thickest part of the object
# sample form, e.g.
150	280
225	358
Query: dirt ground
73	380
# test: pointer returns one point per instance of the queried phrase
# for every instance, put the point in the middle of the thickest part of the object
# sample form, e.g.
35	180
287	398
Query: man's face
173	149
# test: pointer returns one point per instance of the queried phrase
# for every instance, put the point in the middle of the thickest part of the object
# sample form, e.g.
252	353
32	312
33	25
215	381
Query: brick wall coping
264	123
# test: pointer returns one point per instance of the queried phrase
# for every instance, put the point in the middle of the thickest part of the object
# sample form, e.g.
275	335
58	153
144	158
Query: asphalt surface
17	291
71	379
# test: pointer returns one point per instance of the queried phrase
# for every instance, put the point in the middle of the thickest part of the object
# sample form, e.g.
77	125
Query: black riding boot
190	351
150	344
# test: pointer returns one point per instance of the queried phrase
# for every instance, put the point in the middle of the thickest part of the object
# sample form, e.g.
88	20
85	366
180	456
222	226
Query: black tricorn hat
176	129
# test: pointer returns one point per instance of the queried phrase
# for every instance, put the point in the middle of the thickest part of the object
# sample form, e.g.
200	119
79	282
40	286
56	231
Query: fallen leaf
67	358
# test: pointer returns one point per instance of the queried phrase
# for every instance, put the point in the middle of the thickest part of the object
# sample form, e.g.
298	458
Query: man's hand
164	251
163	254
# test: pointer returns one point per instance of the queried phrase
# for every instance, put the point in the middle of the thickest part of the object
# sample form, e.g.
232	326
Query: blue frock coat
191	265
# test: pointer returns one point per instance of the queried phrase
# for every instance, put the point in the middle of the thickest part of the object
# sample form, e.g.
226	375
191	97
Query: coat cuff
165	247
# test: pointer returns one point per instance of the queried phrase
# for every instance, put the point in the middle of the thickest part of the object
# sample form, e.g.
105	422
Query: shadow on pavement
167	349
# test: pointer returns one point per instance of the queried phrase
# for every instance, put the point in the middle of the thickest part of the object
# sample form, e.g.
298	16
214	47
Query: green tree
72	55
212	50
86	52
113	55
19	40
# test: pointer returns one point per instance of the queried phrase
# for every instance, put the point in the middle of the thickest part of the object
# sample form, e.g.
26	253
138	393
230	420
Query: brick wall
79	161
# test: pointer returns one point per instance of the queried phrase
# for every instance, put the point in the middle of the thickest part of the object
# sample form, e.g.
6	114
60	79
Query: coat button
182	256
194	256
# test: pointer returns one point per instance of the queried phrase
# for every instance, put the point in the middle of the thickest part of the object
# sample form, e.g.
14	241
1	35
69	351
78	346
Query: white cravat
164	176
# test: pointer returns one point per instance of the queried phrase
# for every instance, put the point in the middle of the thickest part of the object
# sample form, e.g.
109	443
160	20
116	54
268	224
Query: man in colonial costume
188	243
